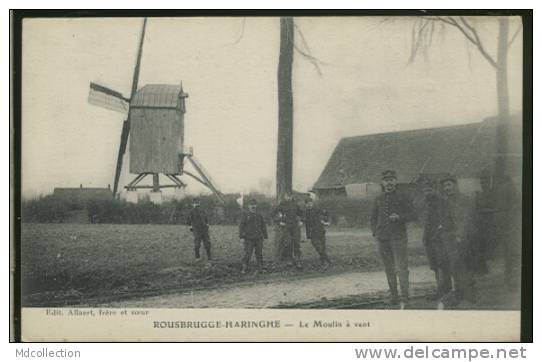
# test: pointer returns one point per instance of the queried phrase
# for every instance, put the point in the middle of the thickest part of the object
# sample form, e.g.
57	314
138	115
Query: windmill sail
126	125
107	98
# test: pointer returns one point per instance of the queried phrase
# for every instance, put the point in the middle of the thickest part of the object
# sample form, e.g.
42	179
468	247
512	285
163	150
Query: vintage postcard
295	178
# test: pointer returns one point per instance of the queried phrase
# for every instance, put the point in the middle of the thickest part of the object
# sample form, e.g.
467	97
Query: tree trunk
286	122
503	101
286	108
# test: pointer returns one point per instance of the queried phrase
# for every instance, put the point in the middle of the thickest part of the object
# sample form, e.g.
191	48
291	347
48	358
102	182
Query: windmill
155	123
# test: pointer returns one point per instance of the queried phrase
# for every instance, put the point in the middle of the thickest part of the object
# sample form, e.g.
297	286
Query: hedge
50	209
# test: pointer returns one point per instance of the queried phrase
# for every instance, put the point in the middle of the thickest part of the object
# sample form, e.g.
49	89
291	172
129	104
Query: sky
228	66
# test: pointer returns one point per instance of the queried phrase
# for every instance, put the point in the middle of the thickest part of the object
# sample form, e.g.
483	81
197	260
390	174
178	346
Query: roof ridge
453	148
492	119
413	130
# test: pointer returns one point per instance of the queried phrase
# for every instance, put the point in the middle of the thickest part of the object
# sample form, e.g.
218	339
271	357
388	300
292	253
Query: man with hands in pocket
252	233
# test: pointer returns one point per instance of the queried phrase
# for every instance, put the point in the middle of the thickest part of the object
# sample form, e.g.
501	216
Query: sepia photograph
272	178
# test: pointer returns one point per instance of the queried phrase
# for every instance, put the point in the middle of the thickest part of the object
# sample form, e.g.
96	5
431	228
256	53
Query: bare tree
286	108
422	36
286	113
284	168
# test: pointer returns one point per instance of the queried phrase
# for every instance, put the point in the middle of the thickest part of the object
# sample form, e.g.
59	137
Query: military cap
448	177
252	202
308	199
389	174
426	182
195	199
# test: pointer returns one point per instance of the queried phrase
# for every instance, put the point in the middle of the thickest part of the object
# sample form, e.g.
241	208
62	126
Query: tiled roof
463	150
86	192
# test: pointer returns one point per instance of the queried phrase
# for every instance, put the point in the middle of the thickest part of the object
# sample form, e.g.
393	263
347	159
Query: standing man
391	211
456	238
289	216
253	232
508	216
484	219
316	222
433	212
199	225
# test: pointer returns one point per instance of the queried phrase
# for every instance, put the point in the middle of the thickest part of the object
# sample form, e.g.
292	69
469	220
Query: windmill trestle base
133	185
201	177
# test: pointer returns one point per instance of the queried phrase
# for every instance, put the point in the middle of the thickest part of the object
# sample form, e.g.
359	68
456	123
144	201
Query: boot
394	298
392	283
208	252
403	282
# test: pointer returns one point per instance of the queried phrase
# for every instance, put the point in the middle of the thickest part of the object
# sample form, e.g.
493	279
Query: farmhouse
81	195
465	150
78	199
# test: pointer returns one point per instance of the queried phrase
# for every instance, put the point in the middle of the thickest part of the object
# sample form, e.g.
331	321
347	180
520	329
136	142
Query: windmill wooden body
155	124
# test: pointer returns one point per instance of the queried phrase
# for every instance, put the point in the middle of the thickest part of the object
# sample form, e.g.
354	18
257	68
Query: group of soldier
289	217
458	233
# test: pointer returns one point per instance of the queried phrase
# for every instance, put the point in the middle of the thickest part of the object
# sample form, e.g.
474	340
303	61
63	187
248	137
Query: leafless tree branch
413	42
431	32
455	24
515	35
310	58
447	20
472	29
472	36
240	34
479	43
419	41
467	29
305	44
307	54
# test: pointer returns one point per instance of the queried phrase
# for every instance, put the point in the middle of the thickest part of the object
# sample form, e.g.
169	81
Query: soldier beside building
199	225
252	232
432	218
484	234
497	225
316	221
456	238
392	210
508	221
289	217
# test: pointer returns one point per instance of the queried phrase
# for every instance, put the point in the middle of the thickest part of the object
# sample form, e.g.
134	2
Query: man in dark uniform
199	225
391	211
455	240
508	214
434	207
253	232
316	221
289	216
484	234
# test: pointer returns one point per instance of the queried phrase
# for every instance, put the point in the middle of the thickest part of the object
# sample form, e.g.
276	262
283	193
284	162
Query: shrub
50	209
47	209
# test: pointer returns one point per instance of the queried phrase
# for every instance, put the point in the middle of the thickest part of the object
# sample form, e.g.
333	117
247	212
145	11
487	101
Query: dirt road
153	266
266	294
